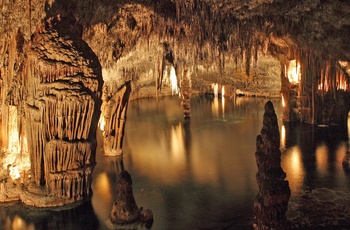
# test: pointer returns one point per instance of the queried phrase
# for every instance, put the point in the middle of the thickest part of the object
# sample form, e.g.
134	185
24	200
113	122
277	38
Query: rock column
114	111
271	203
63	81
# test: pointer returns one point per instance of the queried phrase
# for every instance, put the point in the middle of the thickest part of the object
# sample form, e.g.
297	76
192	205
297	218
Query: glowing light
296	162
13	145
283	137
215	107
102	193
223	106
320	86
293	71
17	163
16	157
223	91
173	81
322	158
343	84
102	122
14	172
293	165
215	88
177	143
283	102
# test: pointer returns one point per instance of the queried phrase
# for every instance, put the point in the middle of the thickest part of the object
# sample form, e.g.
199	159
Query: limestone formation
271	203
113	117
125	210
48	75
60	86
320	94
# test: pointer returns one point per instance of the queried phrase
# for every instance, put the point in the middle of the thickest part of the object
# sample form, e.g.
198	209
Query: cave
175	92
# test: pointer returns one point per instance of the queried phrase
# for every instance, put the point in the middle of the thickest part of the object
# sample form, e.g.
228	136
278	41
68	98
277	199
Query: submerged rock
320	208
125	210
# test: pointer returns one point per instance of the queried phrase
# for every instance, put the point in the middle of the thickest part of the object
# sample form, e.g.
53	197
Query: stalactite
320	98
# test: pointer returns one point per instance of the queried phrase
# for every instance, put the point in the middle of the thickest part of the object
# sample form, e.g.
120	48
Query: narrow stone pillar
114	110
271	203
186	94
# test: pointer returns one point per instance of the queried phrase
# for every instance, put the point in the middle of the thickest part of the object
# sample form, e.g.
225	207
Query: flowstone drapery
60	86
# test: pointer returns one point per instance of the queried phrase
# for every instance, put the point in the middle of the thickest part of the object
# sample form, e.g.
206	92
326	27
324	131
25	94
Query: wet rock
125	210
320	208
271	203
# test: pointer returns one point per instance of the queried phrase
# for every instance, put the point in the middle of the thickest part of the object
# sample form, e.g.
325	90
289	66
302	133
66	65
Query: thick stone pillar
62	79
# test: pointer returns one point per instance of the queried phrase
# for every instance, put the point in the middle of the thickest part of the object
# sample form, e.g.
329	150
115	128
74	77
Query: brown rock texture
125	210
114	109
271	203
49	74
61	85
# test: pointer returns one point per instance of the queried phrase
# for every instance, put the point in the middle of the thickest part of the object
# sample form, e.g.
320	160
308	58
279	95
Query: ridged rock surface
62	81
271	203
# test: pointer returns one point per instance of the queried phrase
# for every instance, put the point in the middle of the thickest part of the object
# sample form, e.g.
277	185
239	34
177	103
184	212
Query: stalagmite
271	203
125	210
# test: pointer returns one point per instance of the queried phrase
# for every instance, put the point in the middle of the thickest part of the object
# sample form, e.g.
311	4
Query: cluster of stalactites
72	185
212	34
322	73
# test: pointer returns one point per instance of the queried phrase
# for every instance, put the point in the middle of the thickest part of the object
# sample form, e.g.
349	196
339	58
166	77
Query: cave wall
52	54
322	94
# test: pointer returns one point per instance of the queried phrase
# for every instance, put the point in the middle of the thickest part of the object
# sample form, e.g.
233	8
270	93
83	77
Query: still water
199	173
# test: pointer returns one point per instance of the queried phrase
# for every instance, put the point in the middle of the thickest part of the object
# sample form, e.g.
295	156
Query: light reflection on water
200	173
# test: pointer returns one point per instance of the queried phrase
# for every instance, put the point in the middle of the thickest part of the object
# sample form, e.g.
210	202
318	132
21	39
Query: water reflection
15	216
218	109
18	223
318	159
177	144
292	164
322	158
283	137
198	173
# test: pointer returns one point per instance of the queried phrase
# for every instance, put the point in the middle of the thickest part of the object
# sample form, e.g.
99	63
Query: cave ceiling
193	28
